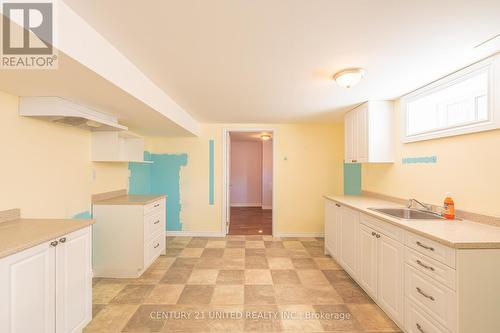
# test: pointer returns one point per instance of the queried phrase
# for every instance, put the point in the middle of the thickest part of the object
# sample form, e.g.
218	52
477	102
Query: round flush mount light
265	137
349	77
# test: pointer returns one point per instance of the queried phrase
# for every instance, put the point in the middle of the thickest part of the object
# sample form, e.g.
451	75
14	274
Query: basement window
458	104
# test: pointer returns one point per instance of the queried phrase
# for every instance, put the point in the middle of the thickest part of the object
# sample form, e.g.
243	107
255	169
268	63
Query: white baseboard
267	207
299	234
246	204
196	233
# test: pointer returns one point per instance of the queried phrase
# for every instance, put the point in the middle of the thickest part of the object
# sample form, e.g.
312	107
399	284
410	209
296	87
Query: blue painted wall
352	178
83	215
160	177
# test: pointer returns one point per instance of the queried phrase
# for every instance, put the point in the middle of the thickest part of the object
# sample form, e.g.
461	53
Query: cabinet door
331	215
348	223
27	301
361	138
390	277
367	259
74	281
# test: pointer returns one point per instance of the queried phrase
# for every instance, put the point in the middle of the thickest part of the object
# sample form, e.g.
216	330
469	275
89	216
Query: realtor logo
28	35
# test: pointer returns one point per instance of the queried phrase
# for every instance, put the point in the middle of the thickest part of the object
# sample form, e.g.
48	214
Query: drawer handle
373	233
424	294
158	221
337	205
157	244
425	246
54	243
156	205
419	328
425	266
377	235
62	240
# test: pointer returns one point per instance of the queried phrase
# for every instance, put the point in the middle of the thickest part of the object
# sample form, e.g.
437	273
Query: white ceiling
272	61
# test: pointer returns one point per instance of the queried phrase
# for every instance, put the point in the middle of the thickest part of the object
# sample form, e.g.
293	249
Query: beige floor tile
216	244
233	263
273	245
210	263
254	244
327	263
259	294
285	276
277	253
189	252
233	276
203	276
222	318
235	244
228	294
103	293
176	276
280	263
151	276
197	243
293	245
185	263
255	252
196	294
163	262
304	263
234	252
147	318
342	321
255	323
256	263
258	276
133	294
112	318
372	318
164	294
297	318
312	276
212	252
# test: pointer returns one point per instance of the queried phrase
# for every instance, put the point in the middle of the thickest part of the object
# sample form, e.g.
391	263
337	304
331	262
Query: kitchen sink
408	214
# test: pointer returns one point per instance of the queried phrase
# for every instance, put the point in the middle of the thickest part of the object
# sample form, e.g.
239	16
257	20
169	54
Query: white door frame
226	163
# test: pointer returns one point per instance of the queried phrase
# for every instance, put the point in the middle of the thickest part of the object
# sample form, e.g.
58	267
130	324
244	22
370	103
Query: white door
390	277
330	228
74	281
348	224
27	295
367	260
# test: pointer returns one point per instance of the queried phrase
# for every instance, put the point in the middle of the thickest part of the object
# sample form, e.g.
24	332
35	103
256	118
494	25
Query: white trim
225	165
300	234
266	207
195	234
492	65
243	204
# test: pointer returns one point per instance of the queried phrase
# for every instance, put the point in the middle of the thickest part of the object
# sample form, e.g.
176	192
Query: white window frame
492	66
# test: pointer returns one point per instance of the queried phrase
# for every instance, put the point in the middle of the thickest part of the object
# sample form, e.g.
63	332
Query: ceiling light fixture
349	77
265	137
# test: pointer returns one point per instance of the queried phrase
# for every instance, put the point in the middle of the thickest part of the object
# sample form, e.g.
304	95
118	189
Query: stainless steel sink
408	214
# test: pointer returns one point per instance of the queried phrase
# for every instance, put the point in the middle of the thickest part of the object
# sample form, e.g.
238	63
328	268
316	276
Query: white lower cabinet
48	288
348	230
367	259
331	225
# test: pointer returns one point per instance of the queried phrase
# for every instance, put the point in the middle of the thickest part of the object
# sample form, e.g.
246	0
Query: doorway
248	186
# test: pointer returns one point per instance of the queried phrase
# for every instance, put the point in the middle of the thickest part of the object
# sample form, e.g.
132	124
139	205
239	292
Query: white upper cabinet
117	147
369	133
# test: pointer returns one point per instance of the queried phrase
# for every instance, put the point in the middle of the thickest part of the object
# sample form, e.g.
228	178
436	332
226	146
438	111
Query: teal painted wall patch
419	159
352	178
86	215
211	172
160	177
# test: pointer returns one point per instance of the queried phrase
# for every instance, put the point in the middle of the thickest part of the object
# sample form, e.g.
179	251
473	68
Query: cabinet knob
62	240
157	221
157	205
54	243
378	236
374	233
337	205
157	244
354	161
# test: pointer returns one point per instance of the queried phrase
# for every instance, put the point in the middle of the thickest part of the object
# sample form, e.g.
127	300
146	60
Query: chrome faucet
410	203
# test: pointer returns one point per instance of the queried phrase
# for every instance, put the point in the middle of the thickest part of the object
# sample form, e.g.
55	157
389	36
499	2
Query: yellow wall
313	167
45	168
467	166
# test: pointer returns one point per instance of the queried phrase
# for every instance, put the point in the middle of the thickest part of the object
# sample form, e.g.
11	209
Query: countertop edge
38	241
109	202
460	245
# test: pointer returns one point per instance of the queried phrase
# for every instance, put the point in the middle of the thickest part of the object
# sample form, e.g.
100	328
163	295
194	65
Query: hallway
250	220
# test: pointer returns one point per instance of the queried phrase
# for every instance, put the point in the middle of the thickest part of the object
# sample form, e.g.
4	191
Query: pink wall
267	174
246	173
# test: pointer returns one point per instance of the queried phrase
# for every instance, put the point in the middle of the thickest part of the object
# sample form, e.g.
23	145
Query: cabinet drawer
430	248
383	227
438	271
153	223
154	207
417	321
437	300
154	247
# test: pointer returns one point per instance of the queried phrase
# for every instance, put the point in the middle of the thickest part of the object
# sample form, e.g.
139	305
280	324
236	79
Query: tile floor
238	284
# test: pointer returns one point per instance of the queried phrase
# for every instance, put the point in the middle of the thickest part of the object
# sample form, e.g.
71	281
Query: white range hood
60	110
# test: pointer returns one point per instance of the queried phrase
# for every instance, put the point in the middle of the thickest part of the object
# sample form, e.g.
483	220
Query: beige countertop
21	234
130	199
457	234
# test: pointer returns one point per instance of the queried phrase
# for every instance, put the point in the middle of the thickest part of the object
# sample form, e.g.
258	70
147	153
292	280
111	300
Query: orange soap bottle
449	207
